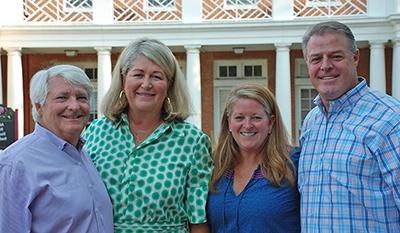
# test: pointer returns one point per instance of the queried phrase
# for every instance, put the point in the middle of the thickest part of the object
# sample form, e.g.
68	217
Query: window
304	94
252	71
240	3
323	3
91	73
160	4
240	69
78	4
307	96
227	71
301	69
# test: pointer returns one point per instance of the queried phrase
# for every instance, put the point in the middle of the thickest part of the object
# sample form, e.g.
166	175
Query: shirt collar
348	99
257	174
157	133
57	141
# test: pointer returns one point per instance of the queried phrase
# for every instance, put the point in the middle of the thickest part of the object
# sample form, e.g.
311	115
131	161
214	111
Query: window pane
91	73
223	71
240	2
232	71
305	104
258	70
79	3
248	71
161	3
93	102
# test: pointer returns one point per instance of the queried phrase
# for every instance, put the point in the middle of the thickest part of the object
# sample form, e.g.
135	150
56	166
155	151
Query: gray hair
329	27
154	50
39	85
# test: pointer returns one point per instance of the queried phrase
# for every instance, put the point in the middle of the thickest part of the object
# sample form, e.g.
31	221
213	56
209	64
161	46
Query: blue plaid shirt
349	167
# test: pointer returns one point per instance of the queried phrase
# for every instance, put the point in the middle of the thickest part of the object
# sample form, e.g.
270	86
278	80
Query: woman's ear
271	123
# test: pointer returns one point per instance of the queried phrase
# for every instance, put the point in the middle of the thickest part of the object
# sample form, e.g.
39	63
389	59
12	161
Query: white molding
178	34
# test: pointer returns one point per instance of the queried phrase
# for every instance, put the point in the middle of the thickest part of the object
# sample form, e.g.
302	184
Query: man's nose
73	103
326	64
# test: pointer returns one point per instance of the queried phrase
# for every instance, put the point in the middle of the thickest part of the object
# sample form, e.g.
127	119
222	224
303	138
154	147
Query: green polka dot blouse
160	185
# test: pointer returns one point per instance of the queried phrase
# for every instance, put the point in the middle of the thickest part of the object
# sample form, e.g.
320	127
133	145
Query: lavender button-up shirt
47	185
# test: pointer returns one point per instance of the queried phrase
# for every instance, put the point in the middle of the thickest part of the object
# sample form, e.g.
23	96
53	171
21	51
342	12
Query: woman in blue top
253	186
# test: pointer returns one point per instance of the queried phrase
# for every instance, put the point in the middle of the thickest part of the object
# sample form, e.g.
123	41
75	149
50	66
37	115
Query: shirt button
90	186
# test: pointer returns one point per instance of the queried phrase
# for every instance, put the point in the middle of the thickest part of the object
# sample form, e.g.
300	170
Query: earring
121	94
169	108
122	97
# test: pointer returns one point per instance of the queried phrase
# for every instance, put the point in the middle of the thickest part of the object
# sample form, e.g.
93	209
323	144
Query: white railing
216	10
147	11
310	8
65	11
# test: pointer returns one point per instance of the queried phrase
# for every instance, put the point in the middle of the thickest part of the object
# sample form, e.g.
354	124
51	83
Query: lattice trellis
219	10
307	8
147	11
67	11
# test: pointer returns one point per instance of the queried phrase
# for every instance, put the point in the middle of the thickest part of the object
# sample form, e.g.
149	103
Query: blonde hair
114	104
276	164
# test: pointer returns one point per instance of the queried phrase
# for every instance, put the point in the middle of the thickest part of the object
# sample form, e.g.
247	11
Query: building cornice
179	34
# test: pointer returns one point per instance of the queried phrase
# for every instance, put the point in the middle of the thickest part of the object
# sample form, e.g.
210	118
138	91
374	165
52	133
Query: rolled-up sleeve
14	199
199	176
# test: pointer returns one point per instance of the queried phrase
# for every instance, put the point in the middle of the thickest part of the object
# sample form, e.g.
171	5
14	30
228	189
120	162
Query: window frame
240	65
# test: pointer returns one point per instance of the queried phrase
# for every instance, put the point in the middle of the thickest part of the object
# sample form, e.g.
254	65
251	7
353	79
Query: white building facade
219	43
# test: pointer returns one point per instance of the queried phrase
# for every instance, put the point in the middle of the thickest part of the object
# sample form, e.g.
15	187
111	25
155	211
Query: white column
15	90
193	80
103	12
282	88
396	6
192	11
282	9
103	74
396	70
377	74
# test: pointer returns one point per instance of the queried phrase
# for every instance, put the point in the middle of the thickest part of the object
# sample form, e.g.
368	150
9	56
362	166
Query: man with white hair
47	183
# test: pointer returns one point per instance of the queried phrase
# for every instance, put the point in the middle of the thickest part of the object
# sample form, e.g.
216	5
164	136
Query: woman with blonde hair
156	166
253	185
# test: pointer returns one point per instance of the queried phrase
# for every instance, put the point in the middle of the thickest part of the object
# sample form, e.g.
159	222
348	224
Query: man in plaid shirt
349	167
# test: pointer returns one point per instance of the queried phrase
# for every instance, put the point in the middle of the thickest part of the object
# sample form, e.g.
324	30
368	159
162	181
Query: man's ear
39	109
356	57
